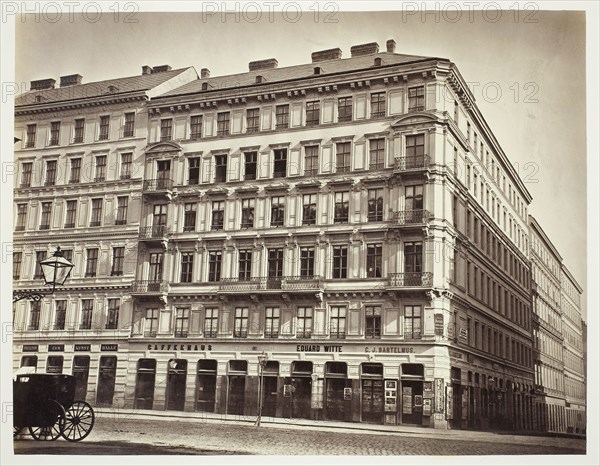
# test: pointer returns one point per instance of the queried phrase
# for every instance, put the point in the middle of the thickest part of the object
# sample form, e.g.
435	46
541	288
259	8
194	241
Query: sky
527	71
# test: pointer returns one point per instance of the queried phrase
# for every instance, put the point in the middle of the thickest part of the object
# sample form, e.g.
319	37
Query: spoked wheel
50	422
79	421
16	431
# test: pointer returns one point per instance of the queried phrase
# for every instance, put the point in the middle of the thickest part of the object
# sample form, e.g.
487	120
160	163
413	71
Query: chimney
322	55
161	68
43	84
146	70
268	64
70	80
391	46
364	49
205	73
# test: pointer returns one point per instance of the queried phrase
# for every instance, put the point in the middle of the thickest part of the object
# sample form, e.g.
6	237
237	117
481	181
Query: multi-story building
353	221
546	265
78	186
573	349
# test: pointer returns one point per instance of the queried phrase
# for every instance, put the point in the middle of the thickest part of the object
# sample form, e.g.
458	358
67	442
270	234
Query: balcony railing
181	334
153	232
295	283
411	162
161	184
410	217
149	286
411	279
310	282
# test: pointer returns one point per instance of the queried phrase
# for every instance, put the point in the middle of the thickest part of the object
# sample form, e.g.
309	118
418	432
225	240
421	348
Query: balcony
411	217
410	279
301	283
291	283
158	185
149	287
411	163
154	232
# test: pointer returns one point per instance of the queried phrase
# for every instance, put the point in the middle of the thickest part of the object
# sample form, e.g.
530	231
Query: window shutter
326	161
265	164
195	322
319	321
296	114
360	107
208	169
236	127
395	102
235	165
287	327
209	125
266	117
294	162
225	317
165	321
328	111
359	156
391	321
354	314
254	323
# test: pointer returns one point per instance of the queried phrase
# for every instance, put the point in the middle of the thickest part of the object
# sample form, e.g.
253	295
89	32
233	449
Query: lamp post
56	269
262	362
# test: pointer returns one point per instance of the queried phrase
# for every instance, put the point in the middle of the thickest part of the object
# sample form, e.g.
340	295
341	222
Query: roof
328	67
537	228
96	89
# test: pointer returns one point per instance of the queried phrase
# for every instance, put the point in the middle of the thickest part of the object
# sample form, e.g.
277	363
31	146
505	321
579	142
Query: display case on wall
391	401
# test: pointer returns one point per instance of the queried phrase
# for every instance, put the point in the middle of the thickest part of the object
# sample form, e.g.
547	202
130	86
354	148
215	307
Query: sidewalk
568	440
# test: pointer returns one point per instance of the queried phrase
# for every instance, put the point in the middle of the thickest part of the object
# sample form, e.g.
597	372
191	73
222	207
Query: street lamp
262	362
55	269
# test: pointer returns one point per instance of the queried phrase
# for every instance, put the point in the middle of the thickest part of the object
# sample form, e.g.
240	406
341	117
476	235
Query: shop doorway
236	389
206	385
29	361
54	364
144	383
81	371
412	393
106	380
269	390
301	389
338	393
372	393
176	377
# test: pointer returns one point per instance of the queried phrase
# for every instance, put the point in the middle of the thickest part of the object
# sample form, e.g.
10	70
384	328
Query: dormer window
260	79
205	86
318	70
112	89
377	61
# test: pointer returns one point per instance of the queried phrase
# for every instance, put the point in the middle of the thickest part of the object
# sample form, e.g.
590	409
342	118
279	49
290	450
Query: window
271	322
313	110
245	264
211	319
21	217
75	170
50	172
240	325
214	266
307	262
250	165
275	263
117	261
189	217
31	130
412	322
220	168
100	168
39	257
218	214
54	133
413	203
374	260
187	265
87	310
91	264
182	320
112	315
79	127
60	314
282	116
304	322
375	205
17	261
166	129
252	117
223	124
280	165
193	170
156	266
247	213
413	257
277	211
46	214
151	323
415	146
456	112
416	99
376	153
104	125
340	214
159	215
342	157
26	171
129	125
311	160
96	212
309	209
378	104
337	322
126	161
340	262
372	321
122	205
34	315
163	173
196	127
345	109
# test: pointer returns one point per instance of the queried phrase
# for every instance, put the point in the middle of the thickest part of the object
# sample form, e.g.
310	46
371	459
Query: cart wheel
79	421
53	414
16	431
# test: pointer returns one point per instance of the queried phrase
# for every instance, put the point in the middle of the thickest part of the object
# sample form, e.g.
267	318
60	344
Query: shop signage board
30	348
439	395
56	347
